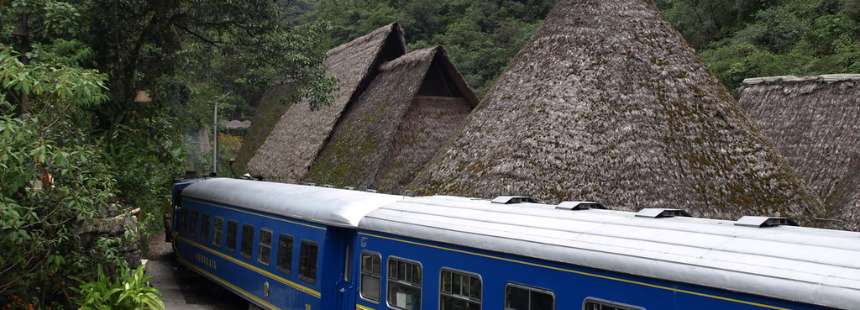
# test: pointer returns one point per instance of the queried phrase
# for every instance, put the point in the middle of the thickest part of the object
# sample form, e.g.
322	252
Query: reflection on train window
404	284
204	228
218	240
308	261
247	238
459	291
192	223
265	246
526	298
285	253
598	304
371	273
231	235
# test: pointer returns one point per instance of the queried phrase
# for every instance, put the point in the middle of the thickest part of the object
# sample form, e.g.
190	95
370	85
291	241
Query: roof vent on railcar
661	213
309	184
764	221
579	205
507	200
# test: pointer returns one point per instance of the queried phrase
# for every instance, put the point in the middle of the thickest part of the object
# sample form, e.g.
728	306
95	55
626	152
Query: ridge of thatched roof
815	123
827	78
298	136
387	134
608	103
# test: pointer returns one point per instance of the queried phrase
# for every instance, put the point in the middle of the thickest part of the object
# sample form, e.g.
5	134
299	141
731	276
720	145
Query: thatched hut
293	143
815	123
271	106
608	103
410	110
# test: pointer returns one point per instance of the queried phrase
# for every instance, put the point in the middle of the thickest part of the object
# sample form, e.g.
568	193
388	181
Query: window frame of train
218	229
392	282
285	251
192	227
531	290
204	227
180	221
308	273
261	245
364	272
604	304
246	248
232	234
459	296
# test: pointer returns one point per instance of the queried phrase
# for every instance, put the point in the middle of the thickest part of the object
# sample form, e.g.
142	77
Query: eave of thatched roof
814	121
608	103
387	135
298	136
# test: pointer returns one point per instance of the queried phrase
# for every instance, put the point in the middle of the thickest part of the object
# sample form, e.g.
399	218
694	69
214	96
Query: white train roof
807	265
328	206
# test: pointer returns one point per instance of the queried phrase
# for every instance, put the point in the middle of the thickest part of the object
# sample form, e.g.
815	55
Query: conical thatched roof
815	123
295	141
408	112
607	102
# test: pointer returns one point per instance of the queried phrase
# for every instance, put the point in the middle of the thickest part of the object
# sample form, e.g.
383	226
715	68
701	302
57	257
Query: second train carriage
284	246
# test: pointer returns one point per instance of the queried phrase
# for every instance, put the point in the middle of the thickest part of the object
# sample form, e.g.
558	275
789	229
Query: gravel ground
182	289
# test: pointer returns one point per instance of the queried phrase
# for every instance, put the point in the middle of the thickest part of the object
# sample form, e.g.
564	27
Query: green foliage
789	37
128	290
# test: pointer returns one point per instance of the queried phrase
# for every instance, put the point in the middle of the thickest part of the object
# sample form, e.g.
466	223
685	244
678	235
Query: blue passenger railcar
284	246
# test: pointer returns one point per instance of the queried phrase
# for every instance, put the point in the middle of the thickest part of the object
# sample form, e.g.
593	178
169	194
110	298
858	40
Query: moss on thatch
815	123
392	130
608	103
300	133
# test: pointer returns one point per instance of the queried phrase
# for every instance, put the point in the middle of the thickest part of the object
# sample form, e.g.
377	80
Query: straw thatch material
271	106
608	103
300	133
393	129
815	123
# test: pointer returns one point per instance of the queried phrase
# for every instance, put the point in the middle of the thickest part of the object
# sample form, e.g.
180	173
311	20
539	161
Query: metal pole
215	137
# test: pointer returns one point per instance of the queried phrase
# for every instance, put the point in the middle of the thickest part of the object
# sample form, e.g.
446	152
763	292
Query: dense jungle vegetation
98	97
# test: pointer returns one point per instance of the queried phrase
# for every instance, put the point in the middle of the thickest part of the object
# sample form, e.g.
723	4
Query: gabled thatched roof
270	107
409	111
300	133
608	103
815	123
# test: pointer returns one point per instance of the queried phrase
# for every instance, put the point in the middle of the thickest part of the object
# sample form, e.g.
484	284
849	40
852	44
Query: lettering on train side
206	261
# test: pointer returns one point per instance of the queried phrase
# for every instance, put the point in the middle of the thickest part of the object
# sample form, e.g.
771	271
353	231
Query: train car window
218	240
404	284
231	235
180	221
371	275
599	304
247	238
519	297
192	223
308	261
265	255
459	290
204	228
285	253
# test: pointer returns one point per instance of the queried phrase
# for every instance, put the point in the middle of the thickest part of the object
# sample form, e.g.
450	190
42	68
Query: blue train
284	246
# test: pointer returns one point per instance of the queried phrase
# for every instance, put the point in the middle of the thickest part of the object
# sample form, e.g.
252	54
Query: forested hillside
736	38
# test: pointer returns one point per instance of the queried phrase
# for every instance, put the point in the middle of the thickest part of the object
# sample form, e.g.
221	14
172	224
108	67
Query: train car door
340	257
